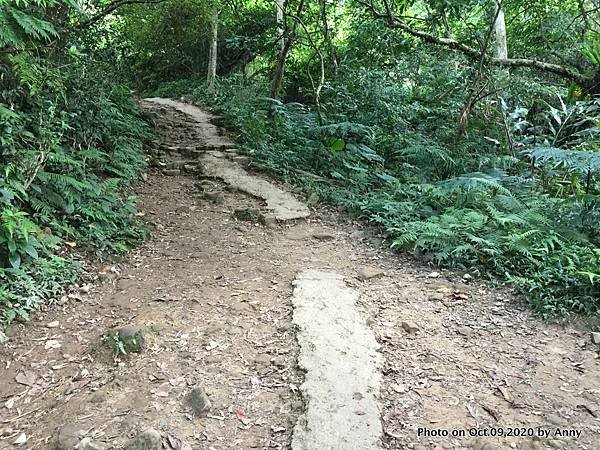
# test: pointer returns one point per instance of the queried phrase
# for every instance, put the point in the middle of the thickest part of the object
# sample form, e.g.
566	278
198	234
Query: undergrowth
528	215
70	146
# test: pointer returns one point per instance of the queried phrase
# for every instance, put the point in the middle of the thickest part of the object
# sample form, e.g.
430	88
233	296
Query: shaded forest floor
211	294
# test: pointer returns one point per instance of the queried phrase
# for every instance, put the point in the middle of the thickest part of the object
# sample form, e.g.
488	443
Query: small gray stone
68	437
203	185
465	331
263	359
172	172
555	443
358	235
215	197
174	165
368	273
98	397
595	338
149	439
410	327
89	444
532	444
297	405
324	236
126	283
241	228
198	401
241	307
556	420
213	359
242	160
279	361
268	220
295	235
489	446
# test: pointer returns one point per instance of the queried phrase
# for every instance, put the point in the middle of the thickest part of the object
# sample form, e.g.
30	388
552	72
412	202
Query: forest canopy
467	130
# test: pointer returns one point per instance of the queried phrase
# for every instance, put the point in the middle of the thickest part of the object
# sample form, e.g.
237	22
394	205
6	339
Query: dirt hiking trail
251	321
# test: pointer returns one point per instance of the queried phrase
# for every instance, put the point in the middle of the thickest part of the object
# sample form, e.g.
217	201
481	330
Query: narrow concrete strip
339	353
283	205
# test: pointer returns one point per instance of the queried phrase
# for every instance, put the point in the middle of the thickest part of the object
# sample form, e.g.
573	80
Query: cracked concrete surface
282	204
340	355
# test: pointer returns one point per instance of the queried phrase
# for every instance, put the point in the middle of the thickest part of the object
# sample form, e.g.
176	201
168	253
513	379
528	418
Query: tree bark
283	54
280	5
212	57
280	68
319	86
500	46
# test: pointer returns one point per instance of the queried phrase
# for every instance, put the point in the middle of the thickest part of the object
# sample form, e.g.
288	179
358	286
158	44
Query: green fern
583	161
32	26
18	25
473	182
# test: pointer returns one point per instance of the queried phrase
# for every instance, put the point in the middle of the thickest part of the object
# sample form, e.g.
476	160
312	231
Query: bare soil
212	294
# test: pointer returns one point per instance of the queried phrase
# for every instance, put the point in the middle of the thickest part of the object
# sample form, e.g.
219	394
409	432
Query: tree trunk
590	84
212	57
279	5
279	69
283	54
500	46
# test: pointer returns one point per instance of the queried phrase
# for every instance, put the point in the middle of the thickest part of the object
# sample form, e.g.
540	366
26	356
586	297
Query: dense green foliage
407	113
70	146
511	192
461	204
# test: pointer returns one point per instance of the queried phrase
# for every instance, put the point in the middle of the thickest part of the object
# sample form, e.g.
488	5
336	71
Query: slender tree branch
395	22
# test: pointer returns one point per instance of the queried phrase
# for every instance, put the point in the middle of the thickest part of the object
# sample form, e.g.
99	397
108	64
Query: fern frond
574	159
472	182
32	26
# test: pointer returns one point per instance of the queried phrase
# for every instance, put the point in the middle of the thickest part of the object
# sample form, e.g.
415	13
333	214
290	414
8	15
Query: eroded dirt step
282	204
210	135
